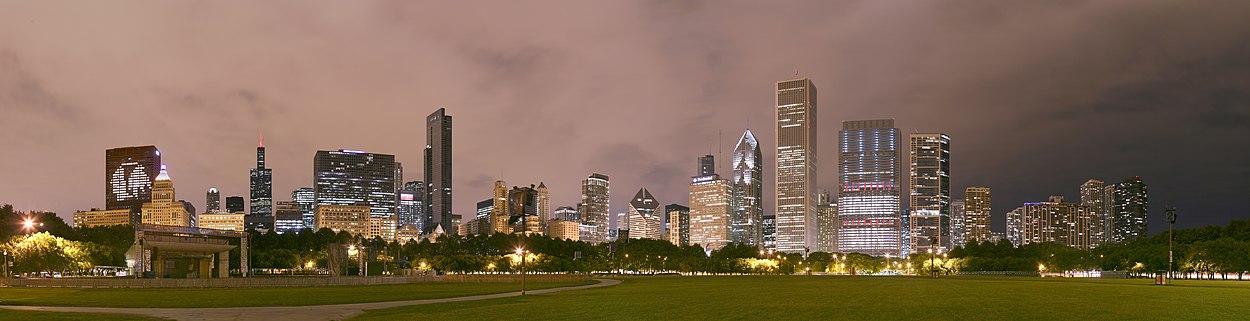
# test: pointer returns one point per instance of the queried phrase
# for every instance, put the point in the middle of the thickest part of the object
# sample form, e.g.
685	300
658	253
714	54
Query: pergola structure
185	252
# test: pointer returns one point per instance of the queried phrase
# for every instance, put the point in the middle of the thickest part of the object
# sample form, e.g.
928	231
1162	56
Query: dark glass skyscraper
868	176
930	191
438	171
349	177
212	201
235	204
746	207
128	176
1128	210
306	199
411	206
707	165
261	217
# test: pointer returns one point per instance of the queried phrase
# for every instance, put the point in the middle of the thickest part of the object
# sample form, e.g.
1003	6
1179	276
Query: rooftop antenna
720	149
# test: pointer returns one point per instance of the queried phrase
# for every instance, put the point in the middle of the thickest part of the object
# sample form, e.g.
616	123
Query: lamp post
521	252
1171	213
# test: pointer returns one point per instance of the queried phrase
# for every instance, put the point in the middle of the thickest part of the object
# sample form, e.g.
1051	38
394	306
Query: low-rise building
97	217
222	220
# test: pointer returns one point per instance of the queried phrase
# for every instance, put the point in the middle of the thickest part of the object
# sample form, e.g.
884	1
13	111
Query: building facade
129	173
348	177
770	232
1094	196
678	231
869	181
1054	221
163	209
827	223
595	211
1128	207
236	204
98	217
499	210
221	220
212	200
977	205
261	217
351	218
287	217
563	230
958	238
748	188
709	211
930	191
438	171
306	199
643	219
410	209
796	165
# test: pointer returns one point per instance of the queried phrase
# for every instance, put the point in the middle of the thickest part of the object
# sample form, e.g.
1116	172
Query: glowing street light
520	251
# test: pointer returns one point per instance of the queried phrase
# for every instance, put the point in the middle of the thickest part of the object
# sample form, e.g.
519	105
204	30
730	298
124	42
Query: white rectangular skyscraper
796	165
869	182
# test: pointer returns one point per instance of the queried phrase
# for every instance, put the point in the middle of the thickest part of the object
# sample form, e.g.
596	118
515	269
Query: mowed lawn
244	297
59	316
858	298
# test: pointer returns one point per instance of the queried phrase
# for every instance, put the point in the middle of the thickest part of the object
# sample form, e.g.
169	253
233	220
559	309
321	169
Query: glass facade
1128	210
868	178
261	216
709	211
348	177
411	206
306	199
128	176
930	191
748	208
796	165
438	172
595	209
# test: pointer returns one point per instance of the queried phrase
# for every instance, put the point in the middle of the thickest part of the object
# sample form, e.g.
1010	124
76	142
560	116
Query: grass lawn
861	298
58	316
242	297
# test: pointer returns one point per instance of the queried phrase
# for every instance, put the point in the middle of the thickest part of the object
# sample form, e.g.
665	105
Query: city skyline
55	116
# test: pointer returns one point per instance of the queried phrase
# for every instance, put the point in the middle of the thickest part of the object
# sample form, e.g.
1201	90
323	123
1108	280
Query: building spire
261	144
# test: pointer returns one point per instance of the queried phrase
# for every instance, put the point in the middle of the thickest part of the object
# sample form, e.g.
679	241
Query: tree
43	252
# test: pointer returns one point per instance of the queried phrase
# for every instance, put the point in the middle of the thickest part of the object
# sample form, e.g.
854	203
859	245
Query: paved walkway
313	312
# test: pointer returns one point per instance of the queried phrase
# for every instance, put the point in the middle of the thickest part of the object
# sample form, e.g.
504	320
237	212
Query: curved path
312	312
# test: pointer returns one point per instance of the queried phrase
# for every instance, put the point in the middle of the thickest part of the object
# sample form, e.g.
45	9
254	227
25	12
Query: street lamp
520	251
1171	213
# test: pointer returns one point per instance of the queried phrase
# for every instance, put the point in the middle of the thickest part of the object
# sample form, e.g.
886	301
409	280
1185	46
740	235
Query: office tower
522	210
1054	221
930	190
98	217
1127	208
796	165
212	201
748	188
129	173
562	229
707	165
410	210
261	217
190	209
709	211
219	220
567	213
642	220
485	208
438	170
977	214
235	204
351	218
544	204
826	223
1094	195
163	209
348	177
306	198
287	217
679	224
770	232
958	238
868	175
594	208
499	212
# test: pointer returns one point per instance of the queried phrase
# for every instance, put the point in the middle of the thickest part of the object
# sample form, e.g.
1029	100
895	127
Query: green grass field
240	297
61	316
862	298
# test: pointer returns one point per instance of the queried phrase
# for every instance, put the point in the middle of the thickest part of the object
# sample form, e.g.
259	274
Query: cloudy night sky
1038	96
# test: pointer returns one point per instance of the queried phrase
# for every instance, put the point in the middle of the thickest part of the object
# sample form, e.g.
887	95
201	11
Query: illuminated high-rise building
748	188
770	232
796	165
594	209
499	211
1127	208
287	217
869	182
354	219
544	204
567	213
930	191
236	204
643	220
129	173
1054	221
977	214
709	211
306	199
678	231
1094	195
212	201
261	216
348	178
438	171
826	223
410	210
958	238
163	209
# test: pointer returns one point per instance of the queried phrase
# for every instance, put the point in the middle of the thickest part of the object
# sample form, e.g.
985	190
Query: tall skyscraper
594	209
707	165
796	165
499	212
678	231
977	215
543	201
567	213
411	207
748	188
212	201
958	233
235	204
438	171
163	209
930	190
306	199
826	223
1128	208
129	173
261	217
1094	195
1054	221
709	211
348	178
642	220
868	175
